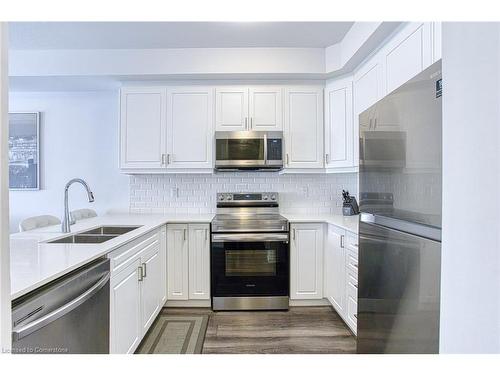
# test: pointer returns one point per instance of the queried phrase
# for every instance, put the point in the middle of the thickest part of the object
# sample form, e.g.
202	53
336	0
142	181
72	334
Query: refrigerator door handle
416	229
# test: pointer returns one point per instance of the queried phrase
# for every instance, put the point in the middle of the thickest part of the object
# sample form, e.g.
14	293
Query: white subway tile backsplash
299	193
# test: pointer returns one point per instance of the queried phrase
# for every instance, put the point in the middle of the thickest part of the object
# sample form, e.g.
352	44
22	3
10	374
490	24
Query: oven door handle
250	237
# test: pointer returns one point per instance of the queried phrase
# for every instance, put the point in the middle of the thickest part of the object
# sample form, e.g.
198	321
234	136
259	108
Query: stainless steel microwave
248	150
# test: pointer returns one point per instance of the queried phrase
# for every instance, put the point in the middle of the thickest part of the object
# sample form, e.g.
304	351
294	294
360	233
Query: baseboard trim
207	303
188	303
309	302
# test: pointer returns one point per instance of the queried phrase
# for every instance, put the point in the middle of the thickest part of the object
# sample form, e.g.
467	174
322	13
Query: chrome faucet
66	224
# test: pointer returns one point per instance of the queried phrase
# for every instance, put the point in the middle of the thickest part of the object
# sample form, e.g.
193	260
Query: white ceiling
139	35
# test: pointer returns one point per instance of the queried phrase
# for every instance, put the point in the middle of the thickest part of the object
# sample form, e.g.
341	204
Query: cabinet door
306	261
231	108
150	285
125	310
335	246
304	127
265	111
177	262
189	127
408	54
339	129
367	90
142	128
199	261
163	260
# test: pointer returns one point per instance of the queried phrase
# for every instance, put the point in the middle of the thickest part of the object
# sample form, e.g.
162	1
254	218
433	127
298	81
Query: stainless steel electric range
250	257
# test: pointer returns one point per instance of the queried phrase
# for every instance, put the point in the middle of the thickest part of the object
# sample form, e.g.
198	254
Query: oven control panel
247	197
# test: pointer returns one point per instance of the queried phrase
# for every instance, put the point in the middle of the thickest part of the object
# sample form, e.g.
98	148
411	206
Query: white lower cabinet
199	261
151	285
188	261
125	310
136	289
341	273
177	262
335	268
306	261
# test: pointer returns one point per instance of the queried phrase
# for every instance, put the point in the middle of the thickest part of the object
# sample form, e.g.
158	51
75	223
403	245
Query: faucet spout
66	224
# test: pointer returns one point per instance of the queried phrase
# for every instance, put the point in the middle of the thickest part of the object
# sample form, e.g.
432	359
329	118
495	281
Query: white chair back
83	213
38	222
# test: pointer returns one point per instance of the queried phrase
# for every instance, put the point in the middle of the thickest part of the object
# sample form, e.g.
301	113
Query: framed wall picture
24	150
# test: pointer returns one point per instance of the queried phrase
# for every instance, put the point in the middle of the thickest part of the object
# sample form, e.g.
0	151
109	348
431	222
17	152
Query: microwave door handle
265	149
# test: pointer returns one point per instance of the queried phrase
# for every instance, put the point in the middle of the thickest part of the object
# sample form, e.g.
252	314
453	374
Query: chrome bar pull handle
293	234
251	122
185	230
206	235
246	123
144	270
168	159
163	159
141	275
287	160
342	241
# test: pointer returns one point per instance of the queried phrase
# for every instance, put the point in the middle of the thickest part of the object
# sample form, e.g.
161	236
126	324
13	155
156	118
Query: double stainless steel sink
96	235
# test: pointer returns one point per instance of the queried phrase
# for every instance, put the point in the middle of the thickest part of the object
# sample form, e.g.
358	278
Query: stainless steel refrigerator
400	221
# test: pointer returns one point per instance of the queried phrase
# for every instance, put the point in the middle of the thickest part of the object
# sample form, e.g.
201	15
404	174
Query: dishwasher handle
35	325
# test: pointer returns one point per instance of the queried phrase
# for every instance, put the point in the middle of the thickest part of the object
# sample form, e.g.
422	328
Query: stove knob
273	197
265	197
229	197
221	197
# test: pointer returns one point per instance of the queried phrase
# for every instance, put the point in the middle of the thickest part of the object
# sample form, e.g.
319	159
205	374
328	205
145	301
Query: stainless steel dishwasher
69	315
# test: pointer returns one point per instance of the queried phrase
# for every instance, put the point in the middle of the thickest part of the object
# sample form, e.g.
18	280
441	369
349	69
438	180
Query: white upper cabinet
142	129
265	108
306	261
408	54
339	127
189	127
249	108
368	85
231	111
304	127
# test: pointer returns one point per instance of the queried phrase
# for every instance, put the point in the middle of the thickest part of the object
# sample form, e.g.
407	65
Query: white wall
470	280
299	193
79	138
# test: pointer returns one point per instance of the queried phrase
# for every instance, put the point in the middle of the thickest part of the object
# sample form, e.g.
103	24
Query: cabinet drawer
126	254
352	264
352	286
352	312
351	242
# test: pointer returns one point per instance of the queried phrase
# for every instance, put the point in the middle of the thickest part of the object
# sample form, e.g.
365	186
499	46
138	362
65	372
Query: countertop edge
107	249
336	220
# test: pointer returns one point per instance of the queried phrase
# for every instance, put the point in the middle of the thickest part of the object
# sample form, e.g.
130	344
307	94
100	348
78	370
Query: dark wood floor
301	330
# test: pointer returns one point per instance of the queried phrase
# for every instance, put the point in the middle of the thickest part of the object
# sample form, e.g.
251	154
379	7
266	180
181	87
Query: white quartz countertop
35	262
349	223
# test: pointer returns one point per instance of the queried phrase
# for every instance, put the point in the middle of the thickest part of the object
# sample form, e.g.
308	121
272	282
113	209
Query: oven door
250	264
